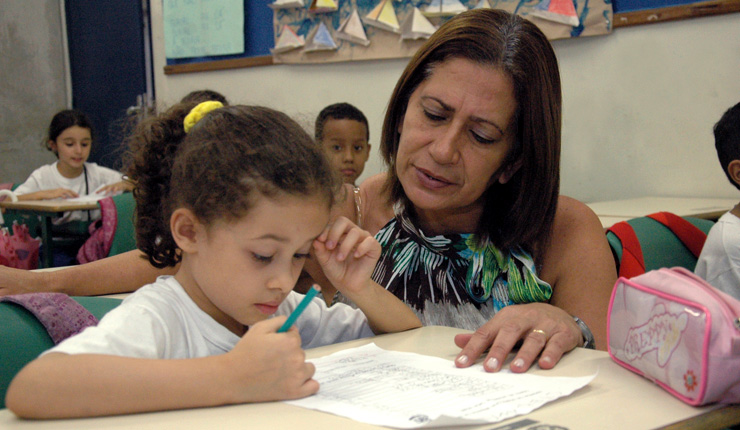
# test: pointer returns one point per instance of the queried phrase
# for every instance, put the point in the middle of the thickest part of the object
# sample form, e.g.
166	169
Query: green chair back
660	247
23	337
125	238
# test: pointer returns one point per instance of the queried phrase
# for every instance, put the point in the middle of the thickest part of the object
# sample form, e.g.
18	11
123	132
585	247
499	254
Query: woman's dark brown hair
232	156
520	212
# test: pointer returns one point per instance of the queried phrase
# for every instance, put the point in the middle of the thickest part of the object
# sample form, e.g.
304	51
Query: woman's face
455	136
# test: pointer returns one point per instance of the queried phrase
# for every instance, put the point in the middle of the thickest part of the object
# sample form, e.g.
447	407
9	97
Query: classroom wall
32	84
639	104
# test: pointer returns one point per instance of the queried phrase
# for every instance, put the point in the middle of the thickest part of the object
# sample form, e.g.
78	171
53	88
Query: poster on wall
323	31
197	28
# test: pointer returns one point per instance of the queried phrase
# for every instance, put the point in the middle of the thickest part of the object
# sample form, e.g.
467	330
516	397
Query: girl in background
70	138
236	200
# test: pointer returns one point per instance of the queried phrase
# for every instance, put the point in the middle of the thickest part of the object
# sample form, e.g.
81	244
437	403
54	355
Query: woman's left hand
544	330
347	254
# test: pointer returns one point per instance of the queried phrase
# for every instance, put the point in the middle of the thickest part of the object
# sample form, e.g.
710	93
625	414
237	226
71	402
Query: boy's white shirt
47	177
161	321
719	262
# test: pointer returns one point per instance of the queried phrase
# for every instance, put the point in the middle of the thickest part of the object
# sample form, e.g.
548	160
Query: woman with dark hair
479	237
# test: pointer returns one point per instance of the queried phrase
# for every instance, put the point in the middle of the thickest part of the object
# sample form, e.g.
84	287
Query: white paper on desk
406	390
91	198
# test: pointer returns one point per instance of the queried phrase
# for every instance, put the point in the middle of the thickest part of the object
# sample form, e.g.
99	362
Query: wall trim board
232	63
673	13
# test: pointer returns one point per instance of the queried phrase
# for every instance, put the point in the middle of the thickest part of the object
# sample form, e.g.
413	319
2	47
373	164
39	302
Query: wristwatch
588	337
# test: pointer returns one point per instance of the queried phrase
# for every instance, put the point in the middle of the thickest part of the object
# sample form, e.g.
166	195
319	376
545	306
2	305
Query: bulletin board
593	17
262	28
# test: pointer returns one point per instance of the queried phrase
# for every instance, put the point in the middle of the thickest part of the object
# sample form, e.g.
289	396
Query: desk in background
611	212
46	210
615	399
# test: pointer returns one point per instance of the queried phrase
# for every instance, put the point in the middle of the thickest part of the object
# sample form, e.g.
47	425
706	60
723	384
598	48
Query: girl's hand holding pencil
267	365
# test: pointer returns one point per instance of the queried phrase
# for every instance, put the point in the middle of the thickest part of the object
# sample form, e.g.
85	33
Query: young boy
342	131
719	262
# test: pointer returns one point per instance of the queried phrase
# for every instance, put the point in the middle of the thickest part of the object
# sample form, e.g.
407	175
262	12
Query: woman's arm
579	266
264	366
118	274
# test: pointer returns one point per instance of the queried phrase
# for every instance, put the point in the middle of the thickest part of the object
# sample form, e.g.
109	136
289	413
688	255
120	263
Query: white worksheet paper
407	390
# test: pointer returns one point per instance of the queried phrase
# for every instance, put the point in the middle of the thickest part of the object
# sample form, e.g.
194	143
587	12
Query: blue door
110	67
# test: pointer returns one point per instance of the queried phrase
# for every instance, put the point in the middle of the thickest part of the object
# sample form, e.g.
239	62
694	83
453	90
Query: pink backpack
675	329
97	246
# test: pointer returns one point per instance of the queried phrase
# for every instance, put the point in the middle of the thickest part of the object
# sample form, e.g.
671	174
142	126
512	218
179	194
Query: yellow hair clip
199	112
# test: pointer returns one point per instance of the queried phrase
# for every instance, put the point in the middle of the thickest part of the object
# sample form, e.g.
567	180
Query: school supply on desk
675	329
310	294
407	390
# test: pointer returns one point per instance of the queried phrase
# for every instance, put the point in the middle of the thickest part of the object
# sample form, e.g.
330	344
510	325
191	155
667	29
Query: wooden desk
611	212
615	399
46	210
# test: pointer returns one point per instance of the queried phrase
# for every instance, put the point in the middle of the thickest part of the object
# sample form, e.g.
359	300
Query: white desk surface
682	206
615	399
608	221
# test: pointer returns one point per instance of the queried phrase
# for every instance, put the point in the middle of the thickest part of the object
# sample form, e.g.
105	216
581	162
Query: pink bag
19	250
675	329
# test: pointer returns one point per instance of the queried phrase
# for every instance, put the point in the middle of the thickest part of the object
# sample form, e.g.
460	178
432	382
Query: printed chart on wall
322	31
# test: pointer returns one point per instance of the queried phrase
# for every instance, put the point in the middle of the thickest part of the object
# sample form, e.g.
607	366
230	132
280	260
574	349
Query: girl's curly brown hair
215	170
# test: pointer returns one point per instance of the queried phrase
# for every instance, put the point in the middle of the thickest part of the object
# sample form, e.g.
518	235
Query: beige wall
32	83
639	104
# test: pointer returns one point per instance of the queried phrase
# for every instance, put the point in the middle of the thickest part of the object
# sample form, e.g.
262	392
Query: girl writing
238	198
70	138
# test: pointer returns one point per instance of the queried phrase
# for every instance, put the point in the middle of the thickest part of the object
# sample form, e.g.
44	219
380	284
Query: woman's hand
115	188
268	366
544	330
347	254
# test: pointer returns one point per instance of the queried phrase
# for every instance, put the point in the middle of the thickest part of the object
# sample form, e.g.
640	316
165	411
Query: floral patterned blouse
451	280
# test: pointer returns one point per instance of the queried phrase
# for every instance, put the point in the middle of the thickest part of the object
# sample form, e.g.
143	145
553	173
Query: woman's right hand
268	366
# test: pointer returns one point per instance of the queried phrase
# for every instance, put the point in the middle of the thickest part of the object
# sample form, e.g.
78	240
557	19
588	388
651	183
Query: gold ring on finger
542	332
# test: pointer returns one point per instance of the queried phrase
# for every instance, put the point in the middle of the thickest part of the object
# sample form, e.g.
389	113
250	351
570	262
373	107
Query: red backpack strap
632	263
691	236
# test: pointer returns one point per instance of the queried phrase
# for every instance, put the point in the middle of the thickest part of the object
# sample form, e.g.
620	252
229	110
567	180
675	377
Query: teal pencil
299	309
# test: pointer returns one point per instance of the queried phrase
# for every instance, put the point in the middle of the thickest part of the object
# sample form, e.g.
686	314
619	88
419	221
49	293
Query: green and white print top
450	280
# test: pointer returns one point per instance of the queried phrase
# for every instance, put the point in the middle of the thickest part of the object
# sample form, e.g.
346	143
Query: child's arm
348	256
121	186
56	193
263	366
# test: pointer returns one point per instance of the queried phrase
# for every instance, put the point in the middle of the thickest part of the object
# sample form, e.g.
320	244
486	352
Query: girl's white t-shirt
161	321
47	177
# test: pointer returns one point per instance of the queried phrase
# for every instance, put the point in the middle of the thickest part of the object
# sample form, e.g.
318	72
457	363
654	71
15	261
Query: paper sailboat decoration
416	26
352	30
483	4
284	4
383	17
444	8
287	41
323	6
562	11
320	39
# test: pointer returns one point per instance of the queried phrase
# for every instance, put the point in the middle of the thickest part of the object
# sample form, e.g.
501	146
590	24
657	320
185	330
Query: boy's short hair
339	111
727	139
